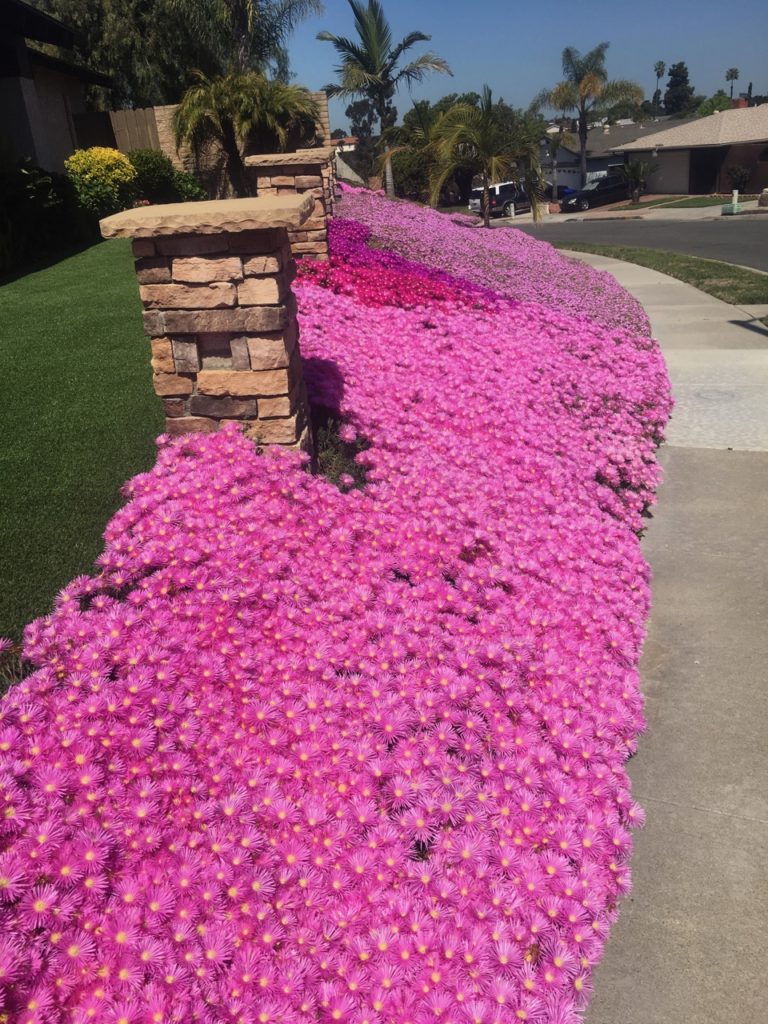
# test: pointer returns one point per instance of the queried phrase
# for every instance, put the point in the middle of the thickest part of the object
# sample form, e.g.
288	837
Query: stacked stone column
305	172
214	280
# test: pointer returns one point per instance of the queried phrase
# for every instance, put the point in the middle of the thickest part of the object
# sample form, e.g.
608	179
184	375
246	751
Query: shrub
188	188
739	177
104	179
154	176
38	214
158	181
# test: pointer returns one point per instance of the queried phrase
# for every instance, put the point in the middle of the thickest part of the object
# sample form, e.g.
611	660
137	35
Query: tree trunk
583	146
554	179
389	179
386	121
236	172
486	203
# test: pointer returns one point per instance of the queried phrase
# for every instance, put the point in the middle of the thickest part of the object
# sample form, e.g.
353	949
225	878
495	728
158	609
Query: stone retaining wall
214	279
307	171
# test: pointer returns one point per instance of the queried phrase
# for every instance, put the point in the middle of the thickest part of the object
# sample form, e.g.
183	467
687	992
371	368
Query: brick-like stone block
222	408
282	180
262	291
240	357
283	431
154	324
308	181
216	295
251	320
171	384
243	383
143	247
282	405
257	243
162	356
262	265
311	248
204	269
272	351
153	270
191	245
185	355
190	425
174	407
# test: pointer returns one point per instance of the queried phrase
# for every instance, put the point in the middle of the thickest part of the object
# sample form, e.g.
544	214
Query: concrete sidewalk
690	943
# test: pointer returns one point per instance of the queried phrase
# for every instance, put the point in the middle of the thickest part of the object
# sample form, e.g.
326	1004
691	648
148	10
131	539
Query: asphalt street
743	241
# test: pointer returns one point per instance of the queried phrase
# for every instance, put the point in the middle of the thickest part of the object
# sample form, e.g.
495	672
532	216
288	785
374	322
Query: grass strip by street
736	285
78	418
699	202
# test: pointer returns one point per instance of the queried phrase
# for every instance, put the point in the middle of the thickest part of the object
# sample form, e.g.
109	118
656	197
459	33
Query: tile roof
725	128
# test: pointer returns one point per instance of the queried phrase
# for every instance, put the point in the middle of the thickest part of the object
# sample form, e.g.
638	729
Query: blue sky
516	47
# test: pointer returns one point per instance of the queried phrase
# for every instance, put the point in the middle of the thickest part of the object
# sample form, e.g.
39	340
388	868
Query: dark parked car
506	199
610	189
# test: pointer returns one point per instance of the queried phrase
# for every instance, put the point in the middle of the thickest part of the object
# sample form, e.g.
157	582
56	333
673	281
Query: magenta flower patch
303	754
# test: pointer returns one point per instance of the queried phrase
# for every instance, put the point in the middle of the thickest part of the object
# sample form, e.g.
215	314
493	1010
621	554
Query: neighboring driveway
689	945
740	240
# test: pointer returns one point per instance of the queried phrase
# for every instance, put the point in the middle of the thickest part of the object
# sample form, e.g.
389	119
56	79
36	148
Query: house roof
21	19
66	67
602	143
724	128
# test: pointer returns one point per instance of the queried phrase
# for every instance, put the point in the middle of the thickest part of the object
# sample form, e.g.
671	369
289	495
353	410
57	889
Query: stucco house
694	157
604	152
41	96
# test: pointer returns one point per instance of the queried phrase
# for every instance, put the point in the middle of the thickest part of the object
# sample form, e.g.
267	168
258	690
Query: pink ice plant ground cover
509	261
306	754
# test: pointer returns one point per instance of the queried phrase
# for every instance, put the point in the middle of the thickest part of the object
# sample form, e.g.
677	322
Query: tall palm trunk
486	202
583	147
386	121
389	178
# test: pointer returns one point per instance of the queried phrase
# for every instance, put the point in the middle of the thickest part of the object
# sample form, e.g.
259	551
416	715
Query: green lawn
731	284
696	202
78	418
646	204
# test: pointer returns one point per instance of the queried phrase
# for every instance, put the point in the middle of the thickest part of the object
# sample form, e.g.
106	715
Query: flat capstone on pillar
215	283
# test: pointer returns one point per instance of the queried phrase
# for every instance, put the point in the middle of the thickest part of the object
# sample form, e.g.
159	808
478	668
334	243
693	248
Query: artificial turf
78	417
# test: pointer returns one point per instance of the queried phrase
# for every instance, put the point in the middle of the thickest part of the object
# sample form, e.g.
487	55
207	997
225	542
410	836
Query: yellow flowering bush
103	178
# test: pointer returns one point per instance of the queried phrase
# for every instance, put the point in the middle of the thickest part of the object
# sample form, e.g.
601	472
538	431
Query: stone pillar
214	280
305	172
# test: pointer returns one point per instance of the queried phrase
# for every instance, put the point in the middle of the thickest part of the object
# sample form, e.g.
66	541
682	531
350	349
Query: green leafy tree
370	65
483	139
151	48
659	69
230	110
732	75
587	90
719	101
679	94
242	35
413	150
145	46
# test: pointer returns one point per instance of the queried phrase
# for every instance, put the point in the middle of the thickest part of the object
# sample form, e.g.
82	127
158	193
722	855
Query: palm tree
586	89
475	137
732	75
369	66
229	109
659	69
